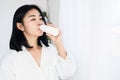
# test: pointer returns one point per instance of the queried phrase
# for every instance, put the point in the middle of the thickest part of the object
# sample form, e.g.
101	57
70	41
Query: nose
40	22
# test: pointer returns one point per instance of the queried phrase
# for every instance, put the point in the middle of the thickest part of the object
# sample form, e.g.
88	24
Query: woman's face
31	23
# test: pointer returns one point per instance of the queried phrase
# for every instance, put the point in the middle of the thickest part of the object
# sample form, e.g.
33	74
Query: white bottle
50	30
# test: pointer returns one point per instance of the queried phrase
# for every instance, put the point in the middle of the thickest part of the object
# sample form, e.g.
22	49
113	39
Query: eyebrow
34	16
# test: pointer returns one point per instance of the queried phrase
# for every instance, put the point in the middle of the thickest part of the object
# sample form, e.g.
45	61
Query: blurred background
90	29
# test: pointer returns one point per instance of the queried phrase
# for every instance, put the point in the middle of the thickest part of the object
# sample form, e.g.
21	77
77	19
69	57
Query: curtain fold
86	28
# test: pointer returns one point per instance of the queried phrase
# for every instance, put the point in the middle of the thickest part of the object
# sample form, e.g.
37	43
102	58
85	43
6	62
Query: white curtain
86	28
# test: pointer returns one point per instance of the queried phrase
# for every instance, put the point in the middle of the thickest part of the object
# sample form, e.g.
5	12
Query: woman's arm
66	65
58	43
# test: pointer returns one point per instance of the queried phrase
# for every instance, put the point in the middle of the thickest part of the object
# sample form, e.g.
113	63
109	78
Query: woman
32	56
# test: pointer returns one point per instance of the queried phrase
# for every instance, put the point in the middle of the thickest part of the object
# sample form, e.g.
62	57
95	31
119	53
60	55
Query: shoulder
8	63
10	55
10	58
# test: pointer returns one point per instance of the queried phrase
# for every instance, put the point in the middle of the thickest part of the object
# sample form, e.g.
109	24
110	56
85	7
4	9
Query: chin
40	34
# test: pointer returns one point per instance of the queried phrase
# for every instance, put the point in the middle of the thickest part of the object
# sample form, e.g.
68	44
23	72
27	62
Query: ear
20	26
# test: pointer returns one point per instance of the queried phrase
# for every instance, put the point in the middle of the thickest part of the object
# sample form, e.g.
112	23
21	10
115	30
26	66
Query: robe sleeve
66	67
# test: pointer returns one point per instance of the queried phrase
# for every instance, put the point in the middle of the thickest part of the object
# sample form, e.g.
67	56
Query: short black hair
18	39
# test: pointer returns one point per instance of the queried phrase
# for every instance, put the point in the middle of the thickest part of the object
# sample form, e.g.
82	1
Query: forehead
34	12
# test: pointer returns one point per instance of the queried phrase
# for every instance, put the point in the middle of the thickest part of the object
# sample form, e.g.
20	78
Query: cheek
40	32
29	27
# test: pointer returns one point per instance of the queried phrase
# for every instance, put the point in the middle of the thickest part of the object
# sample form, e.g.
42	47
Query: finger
50	24
49	35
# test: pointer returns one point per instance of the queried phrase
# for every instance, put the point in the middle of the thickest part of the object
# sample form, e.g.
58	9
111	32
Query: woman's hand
55	39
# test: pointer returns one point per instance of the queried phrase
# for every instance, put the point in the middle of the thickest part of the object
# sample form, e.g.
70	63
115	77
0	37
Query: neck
32	41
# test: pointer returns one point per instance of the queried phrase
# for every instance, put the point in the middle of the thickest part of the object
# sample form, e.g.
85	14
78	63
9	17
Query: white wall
53	8
7	9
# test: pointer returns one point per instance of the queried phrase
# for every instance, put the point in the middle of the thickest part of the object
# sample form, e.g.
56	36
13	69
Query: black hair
18	39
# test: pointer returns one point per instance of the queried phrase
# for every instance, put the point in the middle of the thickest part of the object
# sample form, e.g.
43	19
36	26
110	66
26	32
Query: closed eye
40	18
33	19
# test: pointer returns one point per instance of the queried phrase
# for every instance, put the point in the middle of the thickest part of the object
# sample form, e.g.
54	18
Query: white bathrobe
22	66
